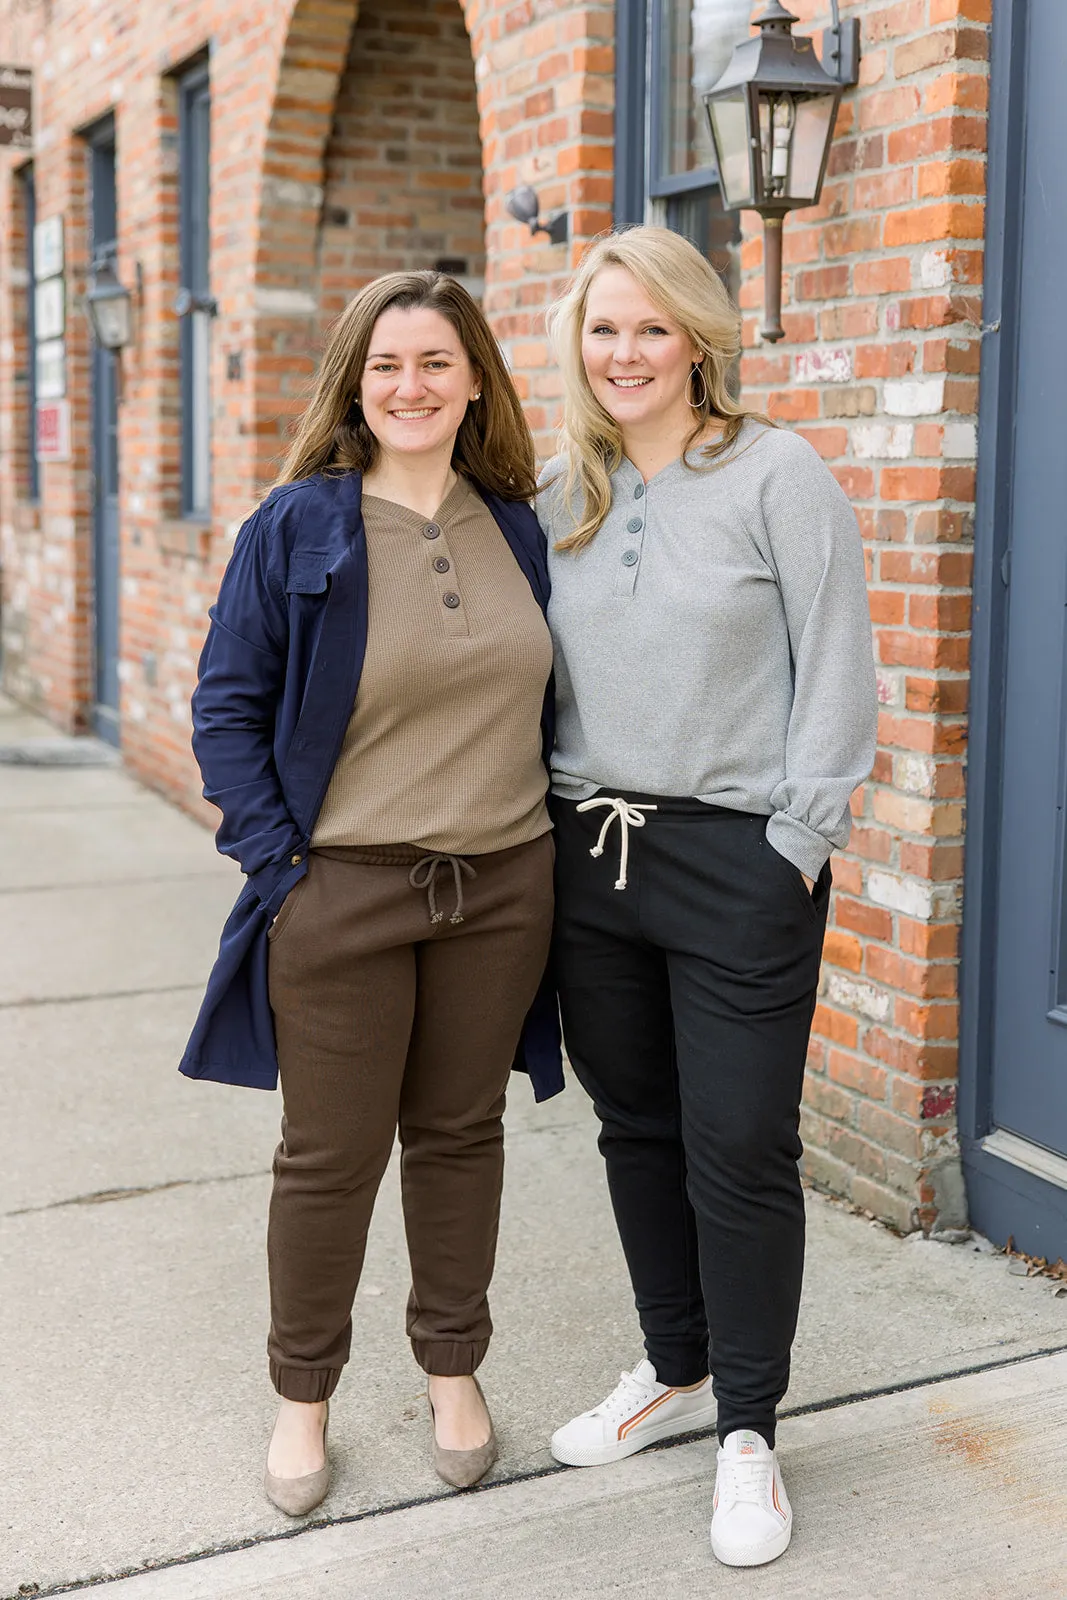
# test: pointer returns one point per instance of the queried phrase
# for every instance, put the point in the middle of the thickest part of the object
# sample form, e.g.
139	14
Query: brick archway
286	305
372	163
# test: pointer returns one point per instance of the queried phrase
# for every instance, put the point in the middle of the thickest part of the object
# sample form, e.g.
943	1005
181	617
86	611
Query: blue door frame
1016	1189
106	553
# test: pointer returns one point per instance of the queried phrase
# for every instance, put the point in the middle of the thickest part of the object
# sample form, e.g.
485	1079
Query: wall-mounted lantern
772	119
524	206
110	306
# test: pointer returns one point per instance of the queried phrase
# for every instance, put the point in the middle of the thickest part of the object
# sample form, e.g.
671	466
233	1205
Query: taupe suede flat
462	1468
297	1496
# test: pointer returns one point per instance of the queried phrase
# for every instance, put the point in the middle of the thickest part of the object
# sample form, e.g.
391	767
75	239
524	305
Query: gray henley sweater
714	641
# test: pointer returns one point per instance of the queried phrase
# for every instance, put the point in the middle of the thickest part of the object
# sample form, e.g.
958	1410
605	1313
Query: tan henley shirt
443	748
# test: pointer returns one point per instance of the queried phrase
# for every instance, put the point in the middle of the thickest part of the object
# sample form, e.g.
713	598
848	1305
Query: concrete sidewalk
133	1302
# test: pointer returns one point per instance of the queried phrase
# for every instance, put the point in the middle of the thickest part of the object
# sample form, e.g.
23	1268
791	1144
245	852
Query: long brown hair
493	446
680	280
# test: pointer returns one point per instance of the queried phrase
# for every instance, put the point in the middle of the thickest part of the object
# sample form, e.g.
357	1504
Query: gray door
105	463
1029	1068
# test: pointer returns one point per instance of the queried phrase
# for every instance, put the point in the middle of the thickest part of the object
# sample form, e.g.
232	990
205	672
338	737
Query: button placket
448	598
628	560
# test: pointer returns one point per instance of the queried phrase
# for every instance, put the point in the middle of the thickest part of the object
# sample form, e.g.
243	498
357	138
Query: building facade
242	169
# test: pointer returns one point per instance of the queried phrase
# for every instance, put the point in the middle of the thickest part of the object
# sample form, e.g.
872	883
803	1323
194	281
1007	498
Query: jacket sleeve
830	744
235	703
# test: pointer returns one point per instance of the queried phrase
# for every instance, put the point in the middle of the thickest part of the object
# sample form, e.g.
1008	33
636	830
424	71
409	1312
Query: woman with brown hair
372	720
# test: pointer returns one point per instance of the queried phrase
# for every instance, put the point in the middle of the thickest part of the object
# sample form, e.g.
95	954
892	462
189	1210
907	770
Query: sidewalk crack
101	1197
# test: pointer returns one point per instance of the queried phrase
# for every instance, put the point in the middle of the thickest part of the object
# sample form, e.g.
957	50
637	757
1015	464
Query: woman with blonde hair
715	709
372	720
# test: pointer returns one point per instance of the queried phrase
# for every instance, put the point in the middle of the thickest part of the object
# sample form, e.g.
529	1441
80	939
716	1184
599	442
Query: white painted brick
861	997
824	366
960	441
914	397
890	687
914	774
925	902
878	440
934	270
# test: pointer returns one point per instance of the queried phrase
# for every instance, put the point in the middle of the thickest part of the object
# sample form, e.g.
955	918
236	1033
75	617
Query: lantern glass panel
697	40
729	120
814	118
111	318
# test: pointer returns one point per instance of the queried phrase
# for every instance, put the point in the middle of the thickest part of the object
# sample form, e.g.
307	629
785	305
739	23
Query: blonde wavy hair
494	446
686	287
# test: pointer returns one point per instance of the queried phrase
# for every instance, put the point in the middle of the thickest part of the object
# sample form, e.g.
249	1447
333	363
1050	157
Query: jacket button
441	564
629	558
431	531
634	525
451	599
294	861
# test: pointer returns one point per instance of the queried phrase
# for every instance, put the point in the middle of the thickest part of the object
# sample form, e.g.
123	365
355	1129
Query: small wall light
524	206
109	305
772	119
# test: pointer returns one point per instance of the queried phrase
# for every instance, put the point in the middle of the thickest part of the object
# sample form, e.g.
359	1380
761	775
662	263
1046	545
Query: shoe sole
601	1455
769	1551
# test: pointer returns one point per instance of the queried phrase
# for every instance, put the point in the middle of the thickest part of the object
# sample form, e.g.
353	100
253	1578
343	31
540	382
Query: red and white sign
53	430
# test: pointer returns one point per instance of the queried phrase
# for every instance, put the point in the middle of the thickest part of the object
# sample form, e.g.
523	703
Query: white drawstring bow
628	816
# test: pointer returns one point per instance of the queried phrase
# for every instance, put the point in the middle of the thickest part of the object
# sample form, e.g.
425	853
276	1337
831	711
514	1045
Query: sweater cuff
273	882
806	849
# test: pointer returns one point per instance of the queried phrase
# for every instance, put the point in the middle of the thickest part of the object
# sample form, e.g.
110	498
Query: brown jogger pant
386	1020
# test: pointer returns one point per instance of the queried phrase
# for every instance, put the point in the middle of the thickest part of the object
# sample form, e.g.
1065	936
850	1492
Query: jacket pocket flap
308	572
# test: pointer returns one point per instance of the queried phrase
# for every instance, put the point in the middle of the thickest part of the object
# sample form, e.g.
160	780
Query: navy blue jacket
277	681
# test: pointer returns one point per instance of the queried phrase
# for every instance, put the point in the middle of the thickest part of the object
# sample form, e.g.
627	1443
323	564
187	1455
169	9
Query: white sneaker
752	1521
637	1413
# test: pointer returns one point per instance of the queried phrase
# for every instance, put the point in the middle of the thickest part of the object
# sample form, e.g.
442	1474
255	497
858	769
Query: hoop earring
697	405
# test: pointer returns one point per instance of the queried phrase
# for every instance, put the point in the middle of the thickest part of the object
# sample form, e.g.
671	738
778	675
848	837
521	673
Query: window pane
715	232
698	38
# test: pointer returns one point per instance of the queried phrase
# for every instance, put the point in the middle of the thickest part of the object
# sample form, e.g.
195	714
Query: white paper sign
48	248
51	370
49	309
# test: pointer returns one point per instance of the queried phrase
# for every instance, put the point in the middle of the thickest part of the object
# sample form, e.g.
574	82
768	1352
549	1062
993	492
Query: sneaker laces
628	1393
746	1482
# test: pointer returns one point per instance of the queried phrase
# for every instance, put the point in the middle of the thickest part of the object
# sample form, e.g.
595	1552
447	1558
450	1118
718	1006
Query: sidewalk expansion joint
834	1403
106	883
107	994
103	1197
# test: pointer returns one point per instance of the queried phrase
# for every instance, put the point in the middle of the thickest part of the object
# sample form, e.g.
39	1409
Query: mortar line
835	1403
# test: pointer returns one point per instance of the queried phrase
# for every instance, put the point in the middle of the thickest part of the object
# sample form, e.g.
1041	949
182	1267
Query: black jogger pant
687	1000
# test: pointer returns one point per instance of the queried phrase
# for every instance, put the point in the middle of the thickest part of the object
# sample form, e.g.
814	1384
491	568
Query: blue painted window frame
25	176
194	248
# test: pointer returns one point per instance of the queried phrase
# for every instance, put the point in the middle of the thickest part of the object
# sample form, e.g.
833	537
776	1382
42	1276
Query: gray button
639	491
630	558
442	564
634	525
451	599
431	531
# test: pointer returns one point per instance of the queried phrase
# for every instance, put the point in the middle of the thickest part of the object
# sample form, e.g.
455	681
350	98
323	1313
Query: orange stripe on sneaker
641	1415
774	1496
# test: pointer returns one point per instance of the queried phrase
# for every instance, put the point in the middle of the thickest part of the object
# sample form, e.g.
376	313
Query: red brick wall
546	90
882	311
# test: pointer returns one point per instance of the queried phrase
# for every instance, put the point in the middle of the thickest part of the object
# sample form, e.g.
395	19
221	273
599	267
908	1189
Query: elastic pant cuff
441	1358
305	1384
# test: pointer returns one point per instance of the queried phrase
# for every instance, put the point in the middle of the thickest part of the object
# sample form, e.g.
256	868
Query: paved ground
132	1311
